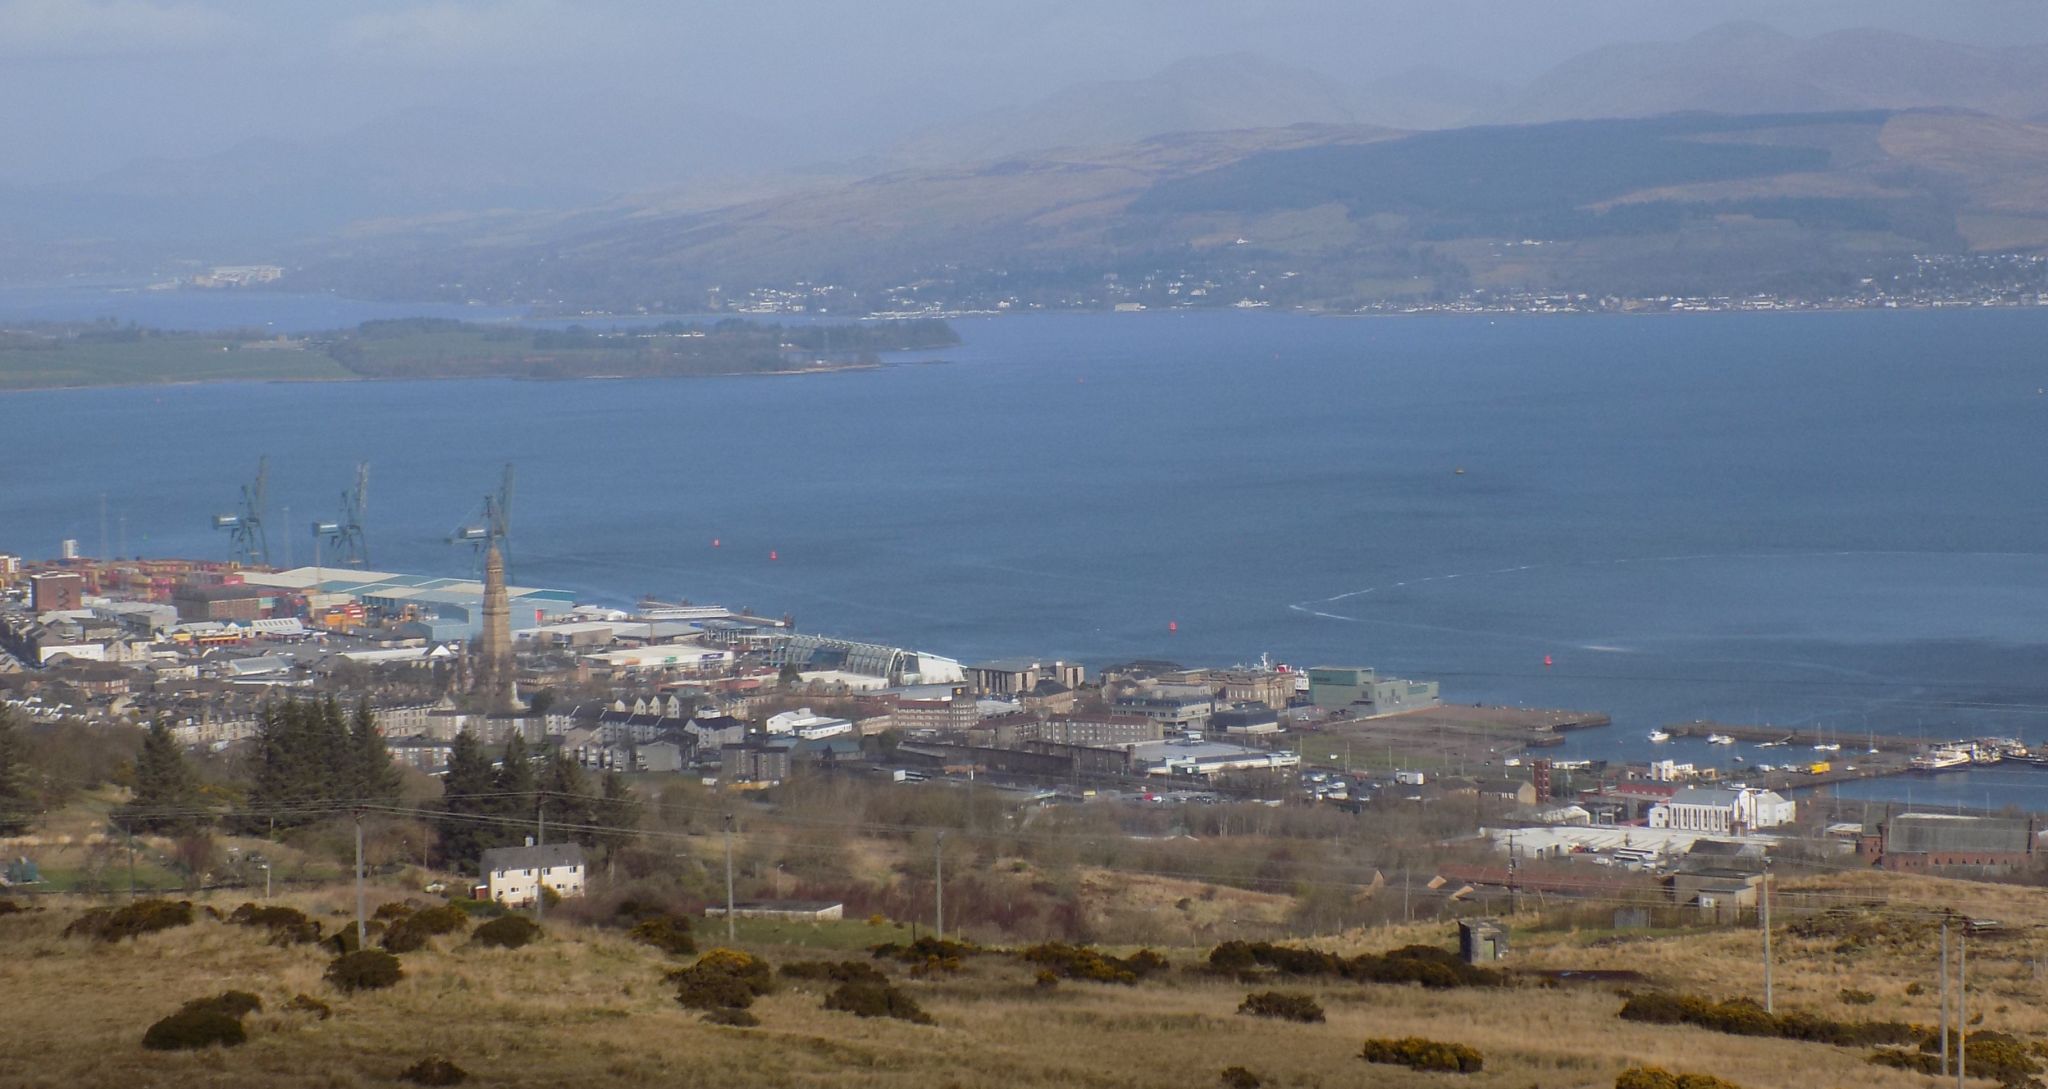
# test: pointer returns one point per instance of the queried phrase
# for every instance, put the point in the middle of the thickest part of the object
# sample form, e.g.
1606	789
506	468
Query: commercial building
1722	811
56	591
806	724
1179	707
1098	731
897	666
1021	676
1206	759
1363	693
1951	843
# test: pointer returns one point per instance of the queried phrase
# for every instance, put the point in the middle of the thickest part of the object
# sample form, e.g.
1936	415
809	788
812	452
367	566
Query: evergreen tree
516	782
302	763
617	812
17	791
465	795
373	778
166	792
567	797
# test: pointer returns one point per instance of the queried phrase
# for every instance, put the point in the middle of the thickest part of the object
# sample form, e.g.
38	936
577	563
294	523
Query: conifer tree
617	812
373	778
465	795
516	782
567	796
166	792
17	791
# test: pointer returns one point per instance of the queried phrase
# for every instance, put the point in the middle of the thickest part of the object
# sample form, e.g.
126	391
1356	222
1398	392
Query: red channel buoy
1173	625
1546	661
715	542
773	555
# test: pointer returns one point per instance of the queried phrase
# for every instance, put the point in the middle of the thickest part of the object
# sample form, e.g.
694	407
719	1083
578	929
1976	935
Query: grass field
156	361
584	1007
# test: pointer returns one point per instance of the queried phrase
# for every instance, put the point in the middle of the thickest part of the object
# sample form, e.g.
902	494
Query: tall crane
343	540
492	527
247	542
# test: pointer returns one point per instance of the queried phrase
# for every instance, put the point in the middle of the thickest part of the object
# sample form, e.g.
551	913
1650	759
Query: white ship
1659	736
1940	759
1720	739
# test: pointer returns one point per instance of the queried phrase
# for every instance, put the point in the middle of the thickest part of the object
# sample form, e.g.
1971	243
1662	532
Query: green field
155	360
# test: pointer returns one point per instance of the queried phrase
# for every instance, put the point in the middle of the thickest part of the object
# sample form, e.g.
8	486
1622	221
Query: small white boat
1659	736
1720	739
1828	747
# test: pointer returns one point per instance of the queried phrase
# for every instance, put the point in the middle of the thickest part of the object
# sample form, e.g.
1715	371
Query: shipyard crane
343	539
492	527
248	545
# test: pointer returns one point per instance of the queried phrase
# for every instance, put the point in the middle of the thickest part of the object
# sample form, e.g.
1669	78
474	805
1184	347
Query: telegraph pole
540	839
939	884
1767	936
362	927
1962	1003
1944	996
729	938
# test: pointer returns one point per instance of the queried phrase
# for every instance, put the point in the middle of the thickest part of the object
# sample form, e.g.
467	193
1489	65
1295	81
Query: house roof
542	856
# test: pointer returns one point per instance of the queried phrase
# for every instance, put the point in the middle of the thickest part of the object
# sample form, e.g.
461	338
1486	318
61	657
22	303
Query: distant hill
1691	202
1751	68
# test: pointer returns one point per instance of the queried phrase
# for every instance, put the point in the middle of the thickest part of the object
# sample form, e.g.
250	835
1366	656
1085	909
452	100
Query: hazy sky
91	84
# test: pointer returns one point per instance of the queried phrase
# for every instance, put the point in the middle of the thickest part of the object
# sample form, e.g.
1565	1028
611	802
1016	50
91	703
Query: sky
91	85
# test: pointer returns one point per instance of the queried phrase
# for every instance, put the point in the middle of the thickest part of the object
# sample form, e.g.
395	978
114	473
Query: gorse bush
191	1029
1986	1054
131	920
235	1004
1092	965
1237	1077
1741	1017
434	1070
410	932
1424	964
845	971
506	932
305	1003
722	979
1283	1005
668	933
364	970
924	949
1656	1077
876	1000
287	926
1417	1053
1853	997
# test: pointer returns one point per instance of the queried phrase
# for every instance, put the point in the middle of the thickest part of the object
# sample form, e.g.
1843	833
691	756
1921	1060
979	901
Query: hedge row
1741	1017
1424	964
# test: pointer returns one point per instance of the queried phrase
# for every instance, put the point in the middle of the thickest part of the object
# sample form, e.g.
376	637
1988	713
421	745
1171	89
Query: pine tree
465	795
166	792
617	812
516	782
567	796
17	790
373	778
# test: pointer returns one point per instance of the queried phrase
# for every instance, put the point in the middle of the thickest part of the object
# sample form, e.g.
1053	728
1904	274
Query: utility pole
1767	936
1514	899
939	885
130	837
1962	1003
540	839
729	938
362	926
1944	996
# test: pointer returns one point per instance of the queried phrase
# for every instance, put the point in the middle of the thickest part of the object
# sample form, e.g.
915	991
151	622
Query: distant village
745	702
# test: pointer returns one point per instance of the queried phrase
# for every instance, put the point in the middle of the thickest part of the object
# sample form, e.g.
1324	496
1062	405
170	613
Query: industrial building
444	610
894	665
1950	843
1364	694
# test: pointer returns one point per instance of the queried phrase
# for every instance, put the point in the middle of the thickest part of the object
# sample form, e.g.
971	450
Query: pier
1803	738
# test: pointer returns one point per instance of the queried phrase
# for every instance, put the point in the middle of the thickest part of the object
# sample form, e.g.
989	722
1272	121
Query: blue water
1832	519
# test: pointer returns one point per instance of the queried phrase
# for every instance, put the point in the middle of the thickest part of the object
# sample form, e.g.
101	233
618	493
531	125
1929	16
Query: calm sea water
1833	519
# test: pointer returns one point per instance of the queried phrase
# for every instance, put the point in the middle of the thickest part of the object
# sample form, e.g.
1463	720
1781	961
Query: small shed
1482	941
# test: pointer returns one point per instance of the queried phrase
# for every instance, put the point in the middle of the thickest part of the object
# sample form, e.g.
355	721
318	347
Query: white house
1722	810
514	875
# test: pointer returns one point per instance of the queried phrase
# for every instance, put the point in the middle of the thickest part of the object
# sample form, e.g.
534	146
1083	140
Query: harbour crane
343	539
492	527
247	543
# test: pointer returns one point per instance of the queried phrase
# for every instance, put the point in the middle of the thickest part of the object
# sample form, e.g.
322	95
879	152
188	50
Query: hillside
586	1006
1793	204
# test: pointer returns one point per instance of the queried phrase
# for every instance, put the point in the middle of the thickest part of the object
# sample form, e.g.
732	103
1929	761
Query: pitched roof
543	856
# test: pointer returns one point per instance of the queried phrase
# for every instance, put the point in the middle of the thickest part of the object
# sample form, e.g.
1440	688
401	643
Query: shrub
1900	1058
194	1029
9	907
1741	1017
1284	1005
393	910
1656	1077
132	920
1989	1054
924	949
410	932
507	932
364	970
1916	988
1046	979
731	1018
434	1070
1417	1053
722	979
1237	1077
1092	965
287	926
1853	997
845	971
1424	964
235	1004
876	1000
1233	956
1855	929
477	909
668	933
305	1003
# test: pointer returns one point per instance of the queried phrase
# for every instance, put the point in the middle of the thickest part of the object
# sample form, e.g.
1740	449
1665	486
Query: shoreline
291	381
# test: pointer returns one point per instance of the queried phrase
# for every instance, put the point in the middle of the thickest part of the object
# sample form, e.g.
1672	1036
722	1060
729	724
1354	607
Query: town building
56	591
1951	843
1722	811
1206	759
1017	677
806	724
514	876
1364	694
1719	877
